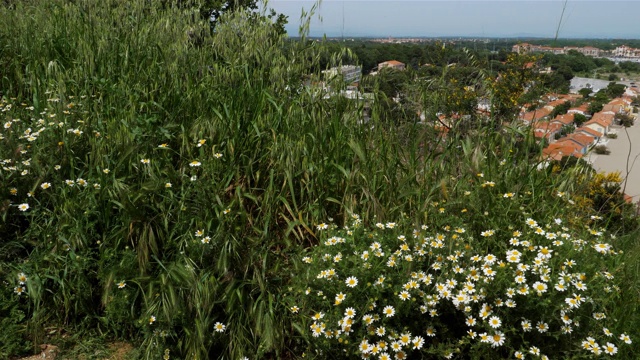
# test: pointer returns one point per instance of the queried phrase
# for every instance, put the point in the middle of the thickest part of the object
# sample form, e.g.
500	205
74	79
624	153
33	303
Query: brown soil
48	352
118	350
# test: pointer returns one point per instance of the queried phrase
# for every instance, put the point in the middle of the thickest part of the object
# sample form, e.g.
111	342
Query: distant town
623	51
575	120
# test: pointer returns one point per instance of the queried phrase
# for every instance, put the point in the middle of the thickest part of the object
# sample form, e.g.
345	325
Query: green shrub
602	150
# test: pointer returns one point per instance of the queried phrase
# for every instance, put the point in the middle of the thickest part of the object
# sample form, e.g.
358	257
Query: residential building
613	109
546	130
582	109
600	122
590	51
524	48
590	132
580	142
583	138
349	73
560	149
626	51
394	64
552	104
535	115
564	120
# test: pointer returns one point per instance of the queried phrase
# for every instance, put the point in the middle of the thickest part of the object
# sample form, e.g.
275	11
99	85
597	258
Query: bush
626	120
602	150
442	289
612	135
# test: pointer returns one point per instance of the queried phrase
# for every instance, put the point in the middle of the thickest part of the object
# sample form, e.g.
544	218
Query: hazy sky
505	18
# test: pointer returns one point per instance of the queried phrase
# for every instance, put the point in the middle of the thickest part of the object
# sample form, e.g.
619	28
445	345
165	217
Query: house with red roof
600	122
394	64
545	129
596	135
613	109
535	115
580	142
564	120
554	103
560	149
583	139
582	109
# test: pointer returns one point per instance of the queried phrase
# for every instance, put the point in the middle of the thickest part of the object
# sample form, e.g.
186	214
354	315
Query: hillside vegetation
174	187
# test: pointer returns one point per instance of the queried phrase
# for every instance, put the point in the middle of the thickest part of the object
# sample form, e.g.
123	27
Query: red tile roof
535	115
545	129
581	138
619	101
588	131
582	108
601	118
392	62
557	102
566	119
613	108
560	149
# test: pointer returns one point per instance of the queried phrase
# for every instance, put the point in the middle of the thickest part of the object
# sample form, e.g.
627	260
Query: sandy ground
624	157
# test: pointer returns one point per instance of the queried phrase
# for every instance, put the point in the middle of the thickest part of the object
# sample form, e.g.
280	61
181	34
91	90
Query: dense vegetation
163	182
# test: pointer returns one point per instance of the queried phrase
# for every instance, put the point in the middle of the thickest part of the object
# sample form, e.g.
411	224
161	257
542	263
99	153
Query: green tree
624	119
595	106
508	90
391	82
579	119
585	92
614	90
561	109
211	10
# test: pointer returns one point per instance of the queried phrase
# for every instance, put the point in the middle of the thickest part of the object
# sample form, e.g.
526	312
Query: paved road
624	157
578	83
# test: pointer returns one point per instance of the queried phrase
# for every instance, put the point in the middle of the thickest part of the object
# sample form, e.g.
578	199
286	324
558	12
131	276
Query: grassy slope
128	78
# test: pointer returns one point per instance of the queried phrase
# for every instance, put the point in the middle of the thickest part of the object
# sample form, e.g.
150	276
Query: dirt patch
48	352
120	350
116	351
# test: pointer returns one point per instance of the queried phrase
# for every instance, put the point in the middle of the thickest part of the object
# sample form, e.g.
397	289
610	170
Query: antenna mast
342	20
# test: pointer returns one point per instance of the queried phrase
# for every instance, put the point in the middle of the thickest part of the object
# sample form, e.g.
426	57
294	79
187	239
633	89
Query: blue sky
429	18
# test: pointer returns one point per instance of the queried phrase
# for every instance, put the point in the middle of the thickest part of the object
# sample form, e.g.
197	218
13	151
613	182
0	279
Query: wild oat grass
159	180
